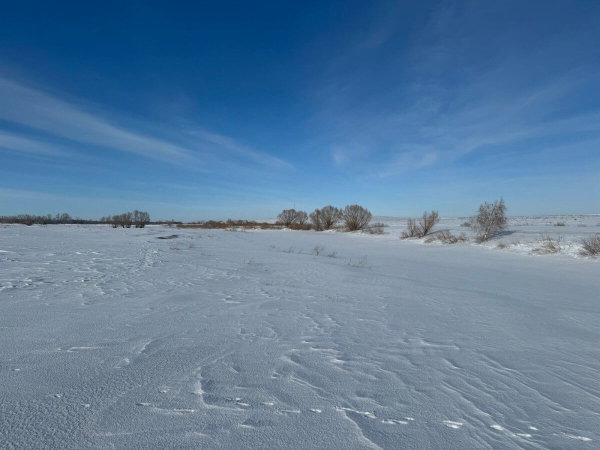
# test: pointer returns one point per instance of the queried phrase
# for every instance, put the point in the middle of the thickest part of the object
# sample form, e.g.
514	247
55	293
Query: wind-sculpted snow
216	339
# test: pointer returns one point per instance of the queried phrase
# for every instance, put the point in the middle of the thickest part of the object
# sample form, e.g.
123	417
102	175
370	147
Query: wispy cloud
16	143
45	113
453	96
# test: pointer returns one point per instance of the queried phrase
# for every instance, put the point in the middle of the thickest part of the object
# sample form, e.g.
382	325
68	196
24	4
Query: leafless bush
376	228
466	224
490	219
559	224
356	217
318	250
448	238
421	228
548	245
330	215
411	229
590	246
427	222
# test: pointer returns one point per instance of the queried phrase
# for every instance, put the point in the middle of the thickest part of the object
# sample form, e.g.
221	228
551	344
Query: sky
216	110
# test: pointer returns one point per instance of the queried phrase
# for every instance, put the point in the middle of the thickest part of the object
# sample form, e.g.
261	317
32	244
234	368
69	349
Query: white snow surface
112	338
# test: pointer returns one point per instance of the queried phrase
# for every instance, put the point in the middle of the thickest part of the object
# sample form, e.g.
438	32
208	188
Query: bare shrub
356	217
411	229
421	228
427	222
287	217
448	238
318	250
490	220
330	215
559	224
376	228
548	245
316	218
590	246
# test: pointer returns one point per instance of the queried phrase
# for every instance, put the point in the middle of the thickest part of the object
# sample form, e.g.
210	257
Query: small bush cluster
590	246
139	219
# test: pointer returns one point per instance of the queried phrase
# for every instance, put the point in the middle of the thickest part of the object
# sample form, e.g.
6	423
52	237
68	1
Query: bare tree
316	218
330	216
144	219
427	222
301	218
490	220
140	218
287	217
356	217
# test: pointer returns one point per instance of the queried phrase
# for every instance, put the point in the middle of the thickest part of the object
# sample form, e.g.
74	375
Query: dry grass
448	238
318	250
549	245
230	224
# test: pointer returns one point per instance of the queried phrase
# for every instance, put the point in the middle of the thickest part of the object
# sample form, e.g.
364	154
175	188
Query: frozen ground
216	339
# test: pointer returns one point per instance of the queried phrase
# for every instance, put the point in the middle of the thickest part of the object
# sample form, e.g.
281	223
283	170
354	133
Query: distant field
279	339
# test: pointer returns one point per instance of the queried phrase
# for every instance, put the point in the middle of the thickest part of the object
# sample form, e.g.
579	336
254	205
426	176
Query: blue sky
242	109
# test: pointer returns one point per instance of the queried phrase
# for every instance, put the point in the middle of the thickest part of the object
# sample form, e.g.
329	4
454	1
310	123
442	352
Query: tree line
354	218
139	219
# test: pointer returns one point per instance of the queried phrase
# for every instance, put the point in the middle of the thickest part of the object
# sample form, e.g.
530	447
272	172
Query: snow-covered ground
216	339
